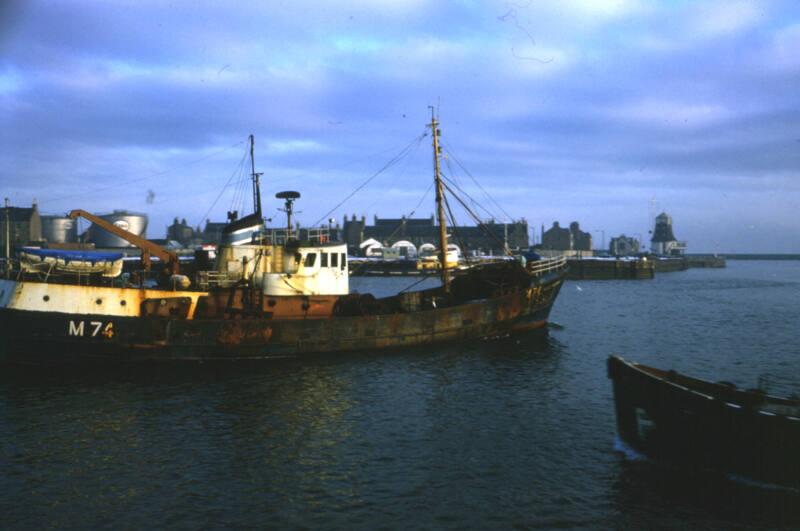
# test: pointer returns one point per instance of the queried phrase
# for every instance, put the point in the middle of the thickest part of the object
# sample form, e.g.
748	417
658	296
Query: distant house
623	246
558	238
22	225
181	232
581	241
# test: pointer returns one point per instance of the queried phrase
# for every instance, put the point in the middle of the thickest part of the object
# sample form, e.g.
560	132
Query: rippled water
515	432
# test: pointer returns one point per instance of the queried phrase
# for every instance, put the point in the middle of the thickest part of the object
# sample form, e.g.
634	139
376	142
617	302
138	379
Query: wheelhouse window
334	260
344	261
311	259
324	261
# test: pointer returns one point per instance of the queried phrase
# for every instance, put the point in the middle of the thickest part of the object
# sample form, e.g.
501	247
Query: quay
578	268
644	268
667	265
610	269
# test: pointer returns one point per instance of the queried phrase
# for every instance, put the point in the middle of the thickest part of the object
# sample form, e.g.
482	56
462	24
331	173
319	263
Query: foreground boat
672	417
272	293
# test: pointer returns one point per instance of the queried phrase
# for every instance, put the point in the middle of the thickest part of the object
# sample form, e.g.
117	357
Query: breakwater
610	269
667	265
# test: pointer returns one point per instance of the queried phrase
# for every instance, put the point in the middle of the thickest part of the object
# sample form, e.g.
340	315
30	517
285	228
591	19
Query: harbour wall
610	269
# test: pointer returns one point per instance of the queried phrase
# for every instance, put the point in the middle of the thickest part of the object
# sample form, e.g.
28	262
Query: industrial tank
59	229
129	221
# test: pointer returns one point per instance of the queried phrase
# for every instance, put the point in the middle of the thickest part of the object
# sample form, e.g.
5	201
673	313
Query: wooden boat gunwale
678	419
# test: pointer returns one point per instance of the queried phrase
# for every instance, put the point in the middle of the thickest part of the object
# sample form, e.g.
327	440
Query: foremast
256	176
440	203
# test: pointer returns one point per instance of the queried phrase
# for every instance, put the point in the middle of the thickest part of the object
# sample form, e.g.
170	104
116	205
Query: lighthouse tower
663	241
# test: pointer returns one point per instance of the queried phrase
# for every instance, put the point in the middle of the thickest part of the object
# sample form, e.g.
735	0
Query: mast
8	242
256	185
440	204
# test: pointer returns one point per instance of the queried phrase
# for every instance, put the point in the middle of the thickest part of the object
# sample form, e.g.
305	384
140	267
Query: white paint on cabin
313	270
307	270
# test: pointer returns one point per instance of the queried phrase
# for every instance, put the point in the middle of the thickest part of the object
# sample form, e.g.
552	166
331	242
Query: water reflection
672	496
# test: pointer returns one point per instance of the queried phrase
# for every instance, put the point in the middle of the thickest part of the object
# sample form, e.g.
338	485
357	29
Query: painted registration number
91	329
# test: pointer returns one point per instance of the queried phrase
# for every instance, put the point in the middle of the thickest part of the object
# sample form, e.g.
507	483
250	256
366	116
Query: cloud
665	113
783	52
714	19
583	110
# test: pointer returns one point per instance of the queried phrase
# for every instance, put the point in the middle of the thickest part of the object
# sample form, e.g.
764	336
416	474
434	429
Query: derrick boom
148	248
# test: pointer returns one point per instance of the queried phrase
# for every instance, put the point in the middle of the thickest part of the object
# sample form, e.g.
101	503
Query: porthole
123	303
46	298
99	302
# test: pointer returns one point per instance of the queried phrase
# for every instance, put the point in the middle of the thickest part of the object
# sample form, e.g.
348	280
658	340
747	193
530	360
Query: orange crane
148	248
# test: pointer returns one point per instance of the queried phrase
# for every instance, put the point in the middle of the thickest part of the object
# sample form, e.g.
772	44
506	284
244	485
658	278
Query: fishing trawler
272	293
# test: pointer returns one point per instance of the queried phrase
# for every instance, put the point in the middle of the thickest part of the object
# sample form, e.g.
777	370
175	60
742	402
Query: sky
605	112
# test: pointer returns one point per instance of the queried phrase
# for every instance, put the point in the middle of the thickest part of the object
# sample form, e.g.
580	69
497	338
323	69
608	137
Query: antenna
289	196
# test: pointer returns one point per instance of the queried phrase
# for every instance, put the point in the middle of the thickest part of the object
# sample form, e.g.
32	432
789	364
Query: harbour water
510	432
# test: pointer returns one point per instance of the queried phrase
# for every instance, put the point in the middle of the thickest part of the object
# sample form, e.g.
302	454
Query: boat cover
72	261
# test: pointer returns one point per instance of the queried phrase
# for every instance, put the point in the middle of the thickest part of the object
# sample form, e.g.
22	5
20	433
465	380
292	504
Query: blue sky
601	111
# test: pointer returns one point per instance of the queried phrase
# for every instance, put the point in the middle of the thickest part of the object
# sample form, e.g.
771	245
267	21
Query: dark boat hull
34	337
713	426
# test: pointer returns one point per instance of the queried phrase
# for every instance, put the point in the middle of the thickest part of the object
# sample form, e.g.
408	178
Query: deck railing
316	236
545	265
217	279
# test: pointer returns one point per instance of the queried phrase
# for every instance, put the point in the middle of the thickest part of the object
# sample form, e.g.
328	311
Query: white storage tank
59	229
125	220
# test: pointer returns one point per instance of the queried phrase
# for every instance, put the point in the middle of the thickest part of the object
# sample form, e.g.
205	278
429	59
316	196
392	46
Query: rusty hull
264	338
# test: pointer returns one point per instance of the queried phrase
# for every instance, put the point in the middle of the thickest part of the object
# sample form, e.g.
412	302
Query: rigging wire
222	191
240	191
455	229
386	166
430	187
475	217
425	276
489	197
471	199
451	217
410	214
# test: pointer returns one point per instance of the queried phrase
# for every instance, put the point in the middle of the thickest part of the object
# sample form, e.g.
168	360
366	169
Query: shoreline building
183	233
663	241
623	246
22	225
570	241
491	238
